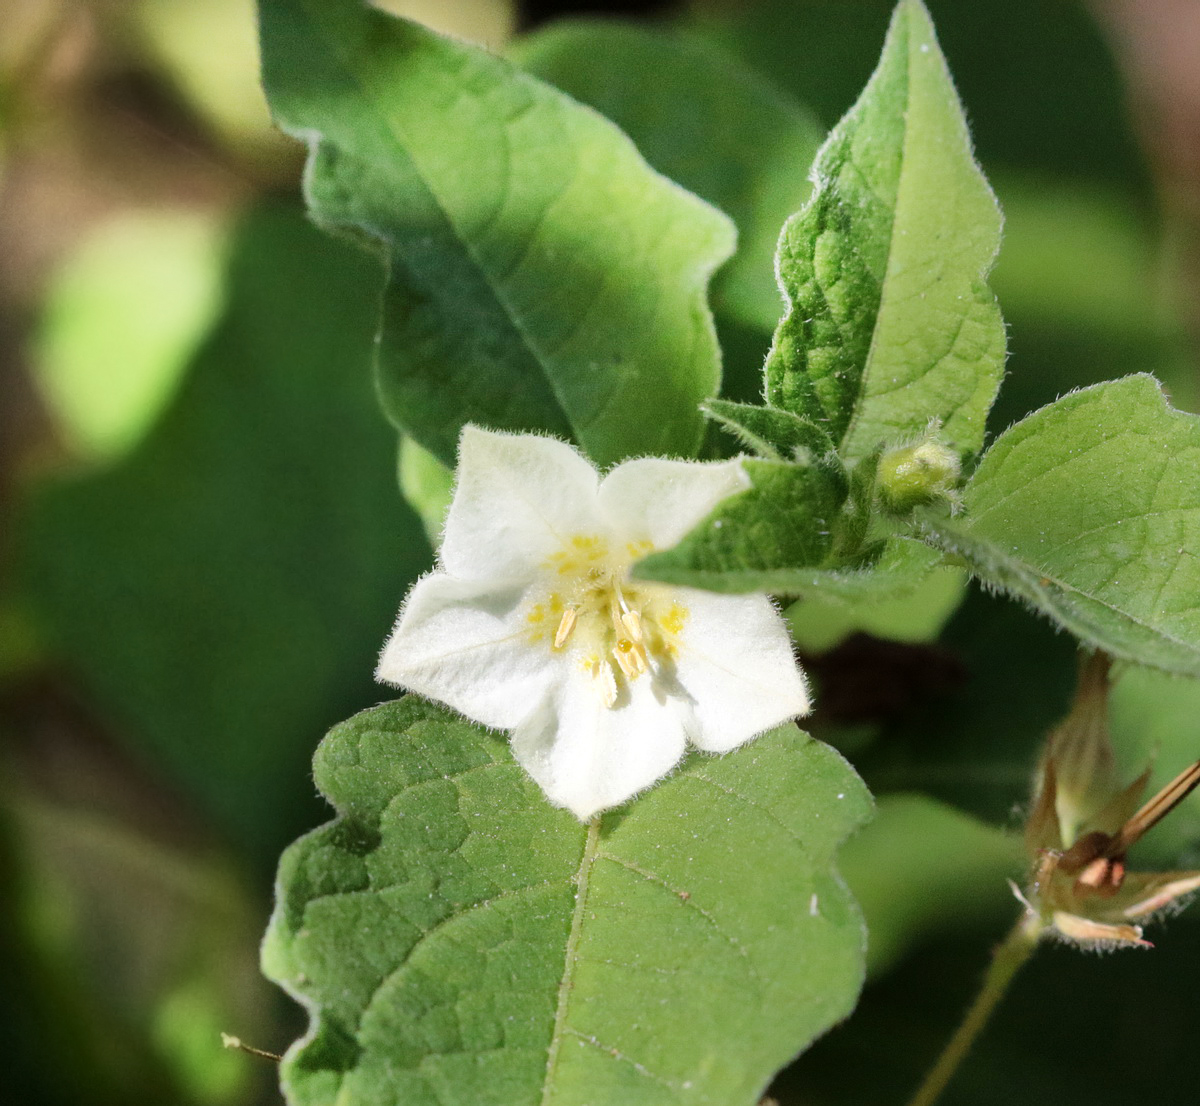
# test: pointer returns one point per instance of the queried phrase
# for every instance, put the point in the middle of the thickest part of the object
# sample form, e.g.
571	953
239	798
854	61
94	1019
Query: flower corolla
532	623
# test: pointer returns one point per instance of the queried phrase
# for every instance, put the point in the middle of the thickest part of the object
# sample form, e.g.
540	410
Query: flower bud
913	475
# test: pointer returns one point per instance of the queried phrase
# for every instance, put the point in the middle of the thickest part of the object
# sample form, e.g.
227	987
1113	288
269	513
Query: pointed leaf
542	276
889	322
768	538
456	939
1089	510
774	434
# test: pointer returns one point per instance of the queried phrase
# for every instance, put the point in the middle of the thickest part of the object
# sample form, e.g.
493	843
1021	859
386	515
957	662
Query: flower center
616	629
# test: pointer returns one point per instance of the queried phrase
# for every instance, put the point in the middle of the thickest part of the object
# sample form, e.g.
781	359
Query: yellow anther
602	673
565	627
624	660
632	621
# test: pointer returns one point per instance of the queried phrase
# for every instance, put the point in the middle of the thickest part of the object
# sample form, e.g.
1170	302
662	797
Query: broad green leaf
541	275
456	939
220	595
704	119
1089	510
889	323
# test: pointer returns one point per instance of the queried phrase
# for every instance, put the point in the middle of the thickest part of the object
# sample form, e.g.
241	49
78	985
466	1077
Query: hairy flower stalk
533	623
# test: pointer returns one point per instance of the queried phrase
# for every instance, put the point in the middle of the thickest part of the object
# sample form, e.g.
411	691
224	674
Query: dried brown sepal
1100	935
1041	827
1155	891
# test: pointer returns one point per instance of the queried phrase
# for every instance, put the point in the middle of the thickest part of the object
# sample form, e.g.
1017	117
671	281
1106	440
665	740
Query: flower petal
736	669
588	757
659	501
466	644
519	498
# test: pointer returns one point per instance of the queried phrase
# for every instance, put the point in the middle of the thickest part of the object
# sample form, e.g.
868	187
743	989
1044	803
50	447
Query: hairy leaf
787	535
456	939
889	322
772	537
542	276
1089	510
774	434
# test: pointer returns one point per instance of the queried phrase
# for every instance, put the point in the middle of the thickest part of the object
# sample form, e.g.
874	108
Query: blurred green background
203	544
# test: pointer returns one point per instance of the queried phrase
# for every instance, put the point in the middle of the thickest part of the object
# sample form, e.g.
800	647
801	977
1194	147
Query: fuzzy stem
1007	959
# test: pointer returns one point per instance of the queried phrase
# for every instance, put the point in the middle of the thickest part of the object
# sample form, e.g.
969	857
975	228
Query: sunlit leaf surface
457	939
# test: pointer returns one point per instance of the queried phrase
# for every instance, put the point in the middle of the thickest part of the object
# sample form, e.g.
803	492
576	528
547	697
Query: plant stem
1007	959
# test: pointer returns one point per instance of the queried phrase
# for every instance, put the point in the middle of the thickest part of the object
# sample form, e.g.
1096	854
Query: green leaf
704	119
220	595
774	434
456	939
776	536
1089	510
921	868
123	319
542	276
1045	90
916	613
1153	720
427	485
890	324
787	535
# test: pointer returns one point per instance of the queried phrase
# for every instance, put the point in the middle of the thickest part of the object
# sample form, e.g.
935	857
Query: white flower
531	622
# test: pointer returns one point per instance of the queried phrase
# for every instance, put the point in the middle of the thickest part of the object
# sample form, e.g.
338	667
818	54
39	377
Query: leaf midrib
337	49
885	284
583	873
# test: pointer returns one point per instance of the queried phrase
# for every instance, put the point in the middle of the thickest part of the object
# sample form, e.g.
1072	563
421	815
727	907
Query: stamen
602	673
625	656
632	621
565	626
